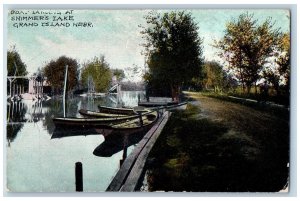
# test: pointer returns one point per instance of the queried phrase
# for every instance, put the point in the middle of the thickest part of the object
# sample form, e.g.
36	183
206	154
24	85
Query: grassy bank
259	105
198	153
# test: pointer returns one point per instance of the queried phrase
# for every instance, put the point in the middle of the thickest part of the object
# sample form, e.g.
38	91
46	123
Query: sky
112	33
32	53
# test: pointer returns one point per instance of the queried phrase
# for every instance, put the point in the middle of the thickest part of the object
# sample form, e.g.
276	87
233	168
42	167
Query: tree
98	70
55	73
284	59
213	75
246	46
278	72
173	50
119	74
15	67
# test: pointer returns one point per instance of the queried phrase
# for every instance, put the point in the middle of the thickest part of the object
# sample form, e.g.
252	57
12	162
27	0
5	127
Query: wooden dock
131	170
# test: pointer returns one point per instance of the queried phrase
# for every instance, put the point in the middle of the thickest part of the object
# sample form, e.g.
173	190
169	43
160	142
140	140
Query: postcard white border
156	5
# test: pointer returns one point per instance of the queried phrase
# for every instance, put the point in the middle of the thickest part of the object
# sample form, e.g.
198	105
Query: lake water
38	163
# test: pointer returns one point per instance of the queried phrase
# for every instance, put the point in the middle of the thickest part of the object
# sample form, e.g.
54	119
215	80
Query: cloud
115	34
122	54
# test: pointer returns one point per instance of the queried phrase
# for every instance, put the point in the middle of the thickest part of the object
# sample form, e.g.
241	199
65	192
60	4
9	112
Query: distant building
34	87
114	80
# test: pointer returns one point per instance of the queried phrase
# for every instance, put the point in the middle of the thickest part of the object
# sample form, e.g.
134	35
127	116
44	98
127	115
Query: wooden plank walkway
129	174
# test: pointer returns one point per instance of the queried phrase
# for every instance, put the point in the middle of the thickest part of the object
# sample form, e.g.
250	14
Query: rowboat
156	104
89	113
141	124
92	122
132	126
111	110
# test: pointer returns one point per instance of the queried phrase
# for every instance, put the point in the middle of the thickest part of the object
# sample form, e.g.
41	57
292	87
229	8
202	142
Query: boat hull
130	127
111	110
92	122
86	122
88	113
156	104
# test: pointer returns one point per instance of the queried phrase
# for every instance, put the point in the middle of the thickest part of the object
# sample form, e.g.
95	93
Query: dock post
124	156
78	177
140	117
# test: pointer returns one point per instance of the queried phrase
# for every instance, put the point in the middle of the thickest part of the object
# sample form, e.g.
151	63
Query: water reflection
28	111
55	108
71	132
16	111
23	112
34	146
12	131
15	118
115	143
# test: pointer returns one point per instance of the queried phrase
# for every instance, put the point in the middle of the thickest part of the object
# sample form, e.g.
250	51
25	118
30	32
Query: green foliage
99	70
55	73
246	46
15	66
119	74
279	73
284	59
214	76
173	49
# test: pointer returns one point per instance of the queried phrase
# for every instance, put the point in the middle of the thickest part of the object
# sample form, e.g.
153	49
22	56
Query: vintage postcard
147	100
